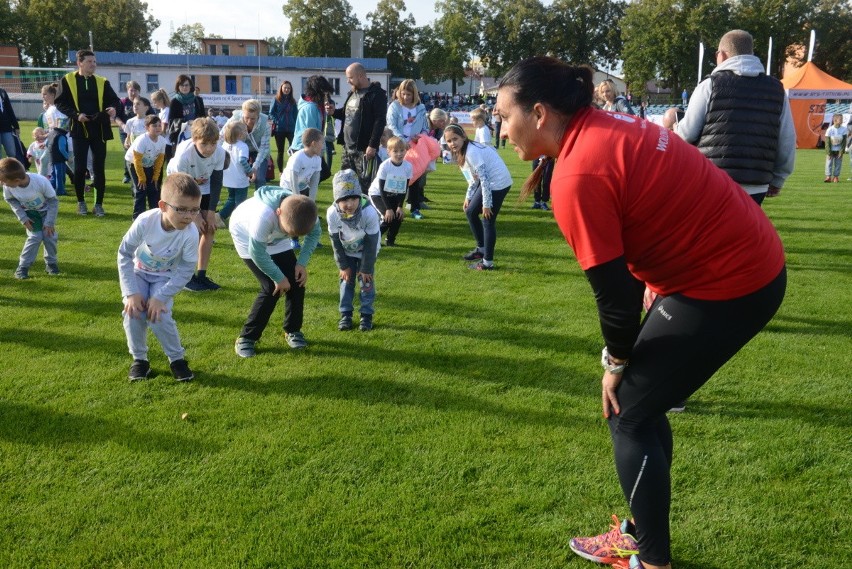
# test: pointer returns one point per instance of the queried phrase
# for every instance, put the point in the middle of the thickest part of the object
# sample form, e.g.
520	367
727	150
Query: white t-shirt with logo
189	161
396	178
149	149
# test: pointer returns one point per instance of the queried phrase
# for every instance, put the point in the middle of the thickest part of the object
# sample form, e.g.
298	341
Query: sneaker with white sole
345	322
181	371
208	283
613	546
82	209
296	340
245	347
51	269
366	323
139	370
22	273
99	210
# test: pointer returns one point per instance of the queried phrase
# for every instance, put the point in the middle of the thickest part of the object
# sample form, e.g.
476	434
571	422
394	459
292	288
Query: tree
586	31
512	30
187	39
661	40
320	28
276	45
47	29
391	35
447	45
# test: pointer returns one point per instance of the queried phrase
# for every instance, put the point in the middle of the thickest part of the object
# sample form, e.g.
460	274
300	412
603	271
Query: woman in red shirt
641	208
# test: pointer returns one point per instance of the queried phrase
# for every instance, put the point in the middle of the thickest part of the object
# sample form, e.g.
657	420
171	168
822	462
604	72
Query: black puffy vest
740	133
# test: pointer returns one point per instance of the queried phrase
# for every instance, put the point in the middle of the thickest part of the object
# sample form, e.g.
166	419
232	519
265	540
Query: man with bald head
363	116
740	118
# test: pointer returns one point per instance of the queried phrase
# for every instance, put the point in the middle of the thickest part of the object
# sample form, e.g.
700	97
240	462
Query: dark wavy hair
317	86
564	88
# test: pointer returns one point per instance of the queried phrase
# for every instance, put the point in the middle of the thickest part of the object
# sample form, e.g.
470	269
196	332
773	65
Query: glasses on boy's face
193	211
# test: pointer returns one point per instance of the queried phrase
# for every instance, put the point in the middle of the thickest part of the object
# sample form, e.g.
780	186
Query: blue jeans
236	196
8	141
484	230
367	293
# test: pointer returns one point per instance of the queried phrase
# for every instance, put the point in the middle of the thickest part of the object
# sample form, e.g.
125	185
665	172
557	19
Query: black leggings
264	303
683	342
485	230
81	158
280	137
383	204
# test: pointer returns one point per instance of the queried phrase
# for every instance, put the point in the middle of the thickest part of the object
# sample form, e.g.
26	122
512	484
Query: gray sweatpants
165	329
31	245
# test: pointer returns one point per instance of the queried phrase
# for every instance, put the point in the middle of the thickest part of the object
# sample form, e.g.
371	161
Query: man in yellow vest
90	102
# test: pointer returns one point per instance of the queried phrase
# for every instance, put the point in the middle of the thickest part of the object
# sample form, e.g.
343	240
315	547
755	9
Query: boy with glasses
156	259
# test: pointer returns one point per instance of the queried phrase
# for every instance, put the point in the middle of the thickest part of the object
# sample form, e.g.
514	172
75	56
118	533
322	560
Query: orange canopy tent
808	88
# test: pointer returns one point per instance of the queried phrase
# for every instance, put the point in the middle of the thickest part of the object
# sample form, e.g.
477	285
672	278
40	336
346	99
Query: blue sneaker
416	214
295	244
543	206
536	205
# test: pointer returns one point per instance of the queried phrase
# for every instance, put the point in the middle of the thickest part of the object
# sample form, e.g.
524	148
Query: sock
201	273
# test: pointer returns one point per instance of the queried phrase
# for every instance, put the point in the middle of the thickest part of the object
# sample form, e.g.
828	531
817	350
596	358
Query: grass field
464	431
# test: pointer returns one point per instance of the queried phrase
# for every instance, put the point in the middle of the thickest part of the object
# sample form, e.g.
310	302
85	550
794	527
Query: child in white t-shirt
145	159
835	146
60	153
33	200
483	129
388	190
354	228
155	261
236	176
302	173
202	158
38	153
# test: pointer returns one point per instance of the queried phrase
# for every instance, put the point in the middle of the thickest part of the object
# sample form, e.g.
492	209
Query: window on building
270	85
251	50
226	49
211	49
214	84
231	84
152	82
246	84
335	82
123	78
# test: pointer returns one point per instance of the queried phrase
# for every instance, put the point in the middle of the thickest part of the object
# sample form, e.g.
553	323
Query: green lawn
464	431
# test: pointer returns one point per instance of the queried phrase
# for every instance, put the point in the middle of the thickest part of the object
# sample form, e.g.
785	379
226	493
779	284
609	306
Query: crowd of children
175	215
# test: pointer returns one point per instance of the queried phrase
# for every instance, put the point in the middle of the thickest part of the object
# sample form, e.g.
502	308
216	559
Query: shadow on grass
372	391
56	342
29	424
765	410
817	326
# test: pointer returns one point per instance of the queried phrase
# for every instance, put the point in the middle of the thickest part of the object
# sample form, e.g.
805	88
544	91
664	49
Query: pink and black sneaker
611	547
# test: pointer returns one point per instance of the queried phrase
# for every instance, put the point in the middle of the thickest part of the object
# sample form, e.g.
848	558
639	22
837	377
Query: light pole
157	43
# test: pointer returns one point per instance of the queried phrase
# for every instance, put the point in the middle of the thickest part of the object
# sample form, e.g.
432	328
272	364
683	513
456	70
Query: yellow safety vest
100	82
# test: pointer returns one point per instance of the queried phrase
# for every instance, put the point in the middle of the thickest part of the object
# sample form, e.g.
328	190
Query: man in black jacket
8	125
90	102
363	116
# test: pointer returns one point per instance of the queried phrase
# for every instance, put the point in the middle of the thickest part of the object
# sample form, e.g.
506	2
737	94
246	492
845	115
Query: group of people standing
658	223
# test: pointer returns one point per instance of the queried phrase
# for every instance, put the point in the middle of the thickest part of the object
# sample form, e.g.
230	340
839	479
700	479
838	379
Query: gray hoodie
692	124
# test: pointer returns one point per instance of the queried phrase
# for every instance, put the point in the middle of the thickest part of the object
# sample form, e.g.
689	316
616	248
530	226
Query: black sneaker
208	283
195	285
366	322
51	268
140	370
474	255
181	371
345	322
22	273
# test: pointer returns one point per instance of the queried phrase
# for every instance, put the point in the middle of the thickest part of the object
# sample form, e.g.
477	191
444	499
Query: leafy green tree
187	39
661	40
390	34
446	46
47	29
320	28
833	51
512	30
586	31
276	45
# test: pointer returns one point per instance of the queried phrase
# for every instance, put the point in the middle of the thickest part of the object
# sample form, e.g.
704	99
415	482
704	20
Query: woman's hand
486	212
609	384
